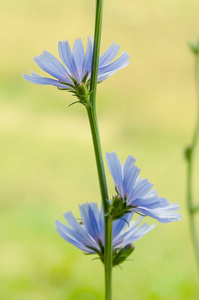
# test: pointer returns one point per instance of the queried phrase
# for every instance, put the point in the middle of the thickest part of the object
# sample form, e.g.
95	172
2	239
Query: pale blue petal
129	161
133	233
75	236
78	54
135	236
161	216
101	225
131	228
165	202
93	223
130	175
87	64
115	168
147	203
120	224
68	59
70	240
108	55
74	233
52	66
89	220
118	64
88	240
152	194
168	207
104	76
141	189
34	78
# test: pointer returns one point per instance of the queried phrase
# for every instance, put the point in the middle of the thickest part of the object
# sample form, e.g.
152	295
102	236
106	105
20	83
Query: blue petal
70	235
118	64
120	224
133	233
129	161
93	222
129	177
147	203
104	76
101	225
88	240
34	78
87	64
115	168
89	220
141	189
165	202
73	233
163	216
68	59
52	66
78	54
108	55
132	228
134	236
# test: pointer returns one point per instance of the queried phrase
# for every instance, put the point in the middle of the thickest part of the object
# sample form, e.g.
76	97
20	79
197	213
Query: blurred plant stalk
190	153
92	115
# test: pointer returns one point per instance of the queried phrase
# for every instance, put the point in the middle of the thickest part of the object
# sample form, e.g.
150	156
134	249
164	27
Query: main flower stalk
98	152
190	152
104	195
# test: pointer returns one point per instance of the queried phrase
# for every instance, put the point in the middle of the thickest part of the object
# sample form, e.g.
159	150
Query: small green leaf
188	153
74	103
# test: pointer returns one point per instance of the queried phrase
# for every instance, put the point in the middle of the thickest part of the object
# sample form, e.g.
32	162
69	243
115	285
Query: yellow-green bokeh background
47	160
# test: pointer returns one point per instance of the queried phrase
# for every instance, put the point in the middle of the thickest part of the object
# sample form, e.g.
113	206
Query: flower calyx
118	207
79	89
119	254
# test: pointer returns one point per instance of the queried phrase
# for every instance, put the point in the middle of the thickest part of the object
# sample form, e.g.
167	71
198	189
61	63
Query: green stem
98	156
104	195
190	160
91	110
96	51
108	260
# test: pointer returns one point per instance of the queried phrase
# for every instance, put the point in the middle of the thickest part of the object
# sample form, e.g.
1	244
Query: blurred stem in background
190	152
98	152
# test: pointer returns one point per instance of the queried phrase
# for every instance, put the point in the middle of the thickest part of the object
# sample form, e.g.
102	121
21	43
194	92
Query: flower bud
188	153
120	255
118	207
194	46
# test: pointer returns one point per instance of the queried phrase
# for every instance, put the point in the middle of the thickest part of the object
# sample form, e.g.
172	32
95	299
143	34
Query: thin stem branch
196	132
190	164
191	212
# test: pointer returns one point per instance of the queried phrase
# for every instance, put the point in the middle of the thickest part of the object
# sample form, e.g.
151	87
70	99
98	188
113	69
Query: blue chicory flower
88	235
135	194
75	69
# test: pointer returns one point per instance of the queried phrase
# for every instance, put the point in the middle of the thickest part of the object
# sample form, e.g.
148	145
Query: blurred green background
47	159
